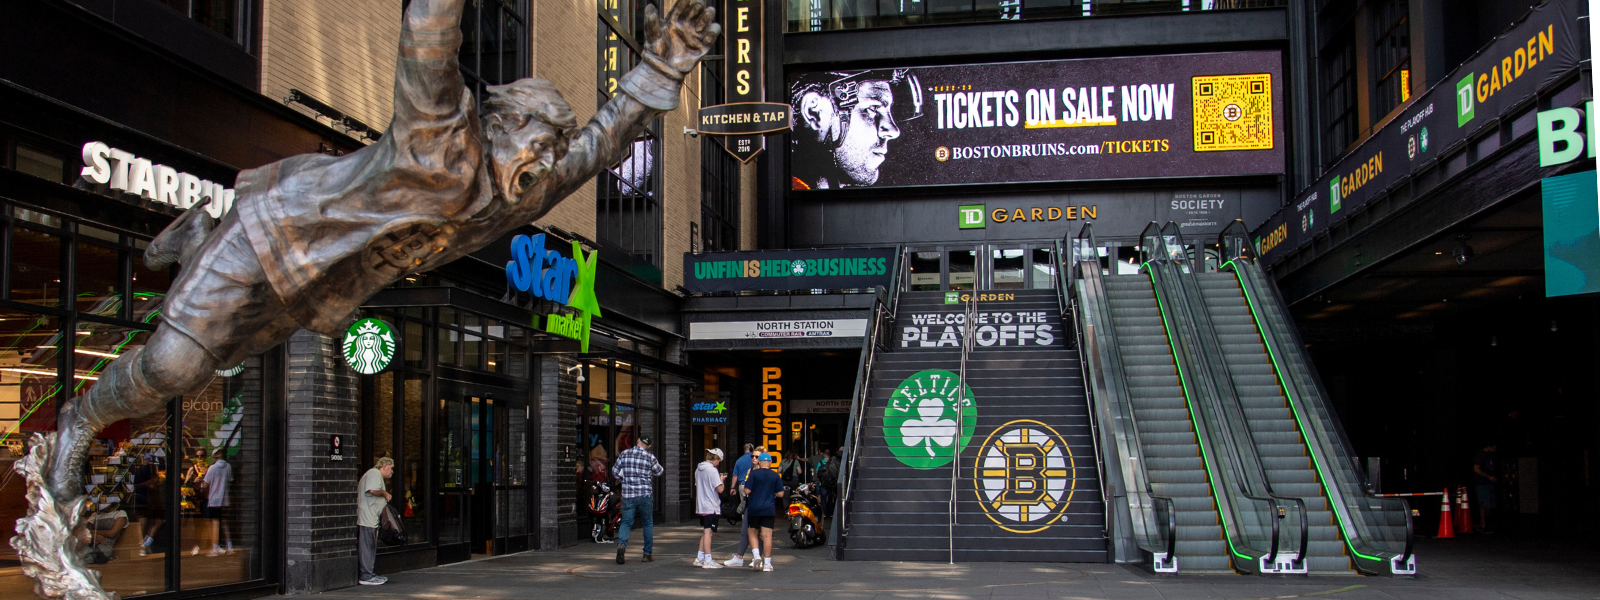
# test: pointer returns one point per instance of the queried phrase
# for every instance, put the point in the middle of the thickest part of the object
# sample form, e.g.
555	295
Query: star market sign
547	274
709	412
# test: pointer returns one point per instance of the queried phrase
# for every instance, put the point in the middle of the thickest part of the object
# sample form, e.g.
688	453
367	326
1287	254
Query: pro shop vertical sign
746	118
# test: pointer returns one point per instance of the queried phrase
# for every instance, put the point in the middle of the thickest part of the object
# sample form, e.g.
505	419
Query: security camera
694	133
1462	252
579	369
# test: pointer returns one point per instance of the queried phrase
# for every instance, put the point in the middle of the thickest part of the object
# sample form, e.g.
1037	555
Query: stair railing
1063	282
1249	510
1134	513
1378	531
969	329
876	338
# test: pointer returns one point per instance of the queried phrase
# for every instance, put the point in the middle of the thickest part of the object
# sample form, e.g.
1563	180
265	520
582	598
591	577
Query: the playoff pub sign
745	120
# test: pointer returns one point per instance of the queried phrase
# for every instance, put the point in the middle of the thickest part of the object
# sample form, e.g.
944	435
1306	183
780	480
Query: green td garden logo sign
929	419
369	346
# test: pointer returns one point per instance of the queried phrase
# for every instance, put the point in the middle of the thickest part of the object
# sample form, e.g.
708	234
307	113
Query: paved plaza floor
1470	568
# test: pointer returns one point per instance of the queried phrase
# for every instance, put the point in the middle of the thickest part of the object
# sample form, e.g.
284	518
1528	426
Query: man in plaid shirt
637	469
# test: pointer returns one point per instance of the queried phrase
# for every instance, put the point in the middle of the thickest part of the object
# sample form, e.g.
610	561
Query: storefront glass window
1007	268
454	437
149	292
963	269
1044	269
599	382
624	385
415	344
35	267
383	418
127	480
28	390
925	271
99	274
448	340
221	441
414	511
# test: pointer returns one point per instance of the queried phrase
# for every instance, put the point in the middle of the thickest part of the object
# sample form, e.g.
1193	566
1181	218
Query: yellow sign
1233	112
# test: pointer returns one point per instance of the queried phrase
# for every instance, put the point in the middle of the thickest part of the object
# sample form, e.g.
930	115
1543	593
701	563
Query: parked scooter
805	516
605	513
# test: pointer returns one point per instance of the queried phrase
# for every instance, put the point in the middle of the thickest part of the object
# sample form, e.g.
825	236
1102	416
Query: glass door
483	472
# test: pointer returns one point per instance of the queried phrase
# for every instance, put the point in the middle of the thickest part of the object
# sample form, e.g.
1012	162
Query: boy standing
764	488
708	505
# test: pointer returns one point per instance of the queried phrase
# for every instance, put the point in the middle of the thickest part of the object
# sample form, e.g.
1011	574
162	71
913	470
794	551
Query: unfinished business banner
1141	117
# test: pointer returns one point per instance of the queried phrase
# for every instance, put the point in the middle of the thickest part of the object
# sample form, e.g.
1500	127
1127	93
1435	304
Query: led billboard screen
1105	118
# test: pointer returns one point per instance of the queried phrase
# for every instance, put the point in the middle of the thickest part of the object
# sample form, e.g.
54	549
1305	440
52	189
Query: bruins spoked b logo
1024	476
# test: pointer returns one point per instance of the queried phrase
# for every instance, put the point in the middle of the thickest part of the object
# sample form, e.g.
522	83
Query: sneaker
373	581
648	558
766	567
381	579
620	559
710	564
737	561
755	565
195	551
144	550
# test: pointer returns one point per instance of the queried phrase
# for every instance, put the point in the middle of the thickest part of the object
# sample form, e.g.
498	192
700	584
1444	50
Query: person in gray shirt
369	508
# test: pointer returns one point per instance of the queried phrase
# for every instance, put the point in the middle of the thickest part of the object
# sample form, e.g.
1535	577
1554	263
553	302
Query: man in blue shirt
637	469
764	488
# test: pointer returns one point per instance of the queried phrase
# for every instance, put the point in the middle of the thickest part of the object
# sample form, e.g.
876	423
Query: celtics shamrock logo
929	419
369	346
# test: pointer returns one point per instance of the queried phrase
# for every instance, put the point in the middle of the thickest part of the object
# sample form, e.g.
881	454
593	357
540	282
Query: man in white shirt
708	488
369	508
217	479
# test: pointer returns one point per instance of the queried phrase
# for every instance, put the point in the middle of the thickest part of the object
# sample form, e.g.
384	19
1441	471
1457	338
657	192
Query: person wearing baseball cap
708	486
637	469
765	488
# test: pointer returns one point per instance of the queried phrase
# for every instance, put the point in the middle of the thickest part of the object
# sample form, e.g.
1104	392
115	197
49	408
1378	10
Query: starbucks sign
929	419
369	346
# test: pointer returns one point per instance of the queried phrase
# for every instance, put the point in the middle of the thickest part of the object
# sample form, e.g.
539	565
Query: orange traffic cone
1464	514
1446	530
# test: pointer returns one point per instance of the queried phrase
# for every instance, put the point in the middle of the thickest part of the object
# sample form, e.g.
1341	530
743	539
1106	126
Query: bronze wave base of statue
311	237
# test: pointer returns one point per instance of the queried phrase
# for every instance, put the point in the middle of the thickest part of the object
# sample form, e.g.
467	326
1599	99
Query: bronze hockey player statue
311	237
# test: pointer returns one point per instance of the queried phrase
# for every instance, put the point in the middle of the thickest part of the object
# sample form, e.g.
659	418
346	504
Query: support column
320	513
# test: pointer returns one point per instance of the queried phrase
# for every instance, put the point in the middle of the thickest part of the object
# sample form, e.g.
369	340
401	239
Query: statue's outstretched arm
428	85
672	49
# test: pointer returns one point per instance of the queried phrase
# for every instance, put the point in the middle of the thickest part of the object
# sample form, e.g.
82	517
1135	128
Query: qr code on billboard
1233	112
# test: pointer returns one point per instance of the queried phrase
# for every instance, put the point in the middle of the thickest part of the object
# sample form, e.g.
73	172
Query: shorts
709	521
215	512
762	521
1485	497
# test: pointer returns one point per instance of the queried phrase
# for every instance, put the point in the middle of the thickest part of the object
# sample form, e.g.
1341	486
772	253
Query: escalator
1171	452
1222	450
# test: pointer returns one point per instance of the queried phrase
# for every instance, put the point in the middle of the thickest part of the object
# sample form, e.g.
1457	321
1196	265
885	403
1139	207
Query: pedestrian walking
637	469
708	483
741	470
1485	474
764	487
372	497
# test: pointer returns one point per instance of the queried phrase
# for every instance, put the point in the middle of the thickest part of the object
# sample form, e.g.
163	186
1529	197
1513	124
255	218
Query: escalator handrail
1171	269
1091	294
1239	256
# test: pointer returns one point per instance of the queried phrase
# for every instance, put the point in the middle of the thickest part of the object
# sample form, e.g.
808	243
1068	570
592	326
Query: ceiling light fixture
96	353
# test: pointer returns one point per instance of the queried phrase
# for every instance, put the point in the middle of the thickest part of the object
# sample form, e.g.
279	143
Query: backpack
828	472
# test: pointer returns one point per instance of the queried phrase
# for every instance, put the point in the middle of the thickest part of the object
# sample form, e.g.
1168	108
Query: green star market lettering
546	274
929	419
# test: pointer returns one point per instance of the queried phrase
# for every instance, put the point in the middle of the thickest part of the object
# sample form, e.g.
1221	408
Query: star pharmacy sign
1024	476
929	419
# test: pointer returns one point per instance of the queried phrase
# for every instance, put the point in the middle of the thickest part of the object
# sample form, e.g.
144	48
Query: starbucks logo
369	346
1024	476
798	268
929	419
